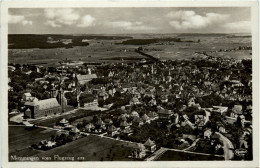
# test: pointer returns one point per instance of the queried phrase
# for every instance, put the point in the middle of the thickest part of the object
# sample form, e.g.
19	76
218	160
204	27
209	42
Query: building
150	145
165	114
28	97
42	108
83	79
220	109
111	131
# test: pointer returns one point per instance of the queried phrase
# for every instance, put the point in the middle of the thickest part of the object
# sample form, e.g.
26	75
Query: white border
186	3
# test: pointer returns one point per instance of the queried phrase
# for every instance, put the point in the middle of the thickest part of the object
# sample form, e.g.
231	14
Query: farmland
91	148
20	139
113	49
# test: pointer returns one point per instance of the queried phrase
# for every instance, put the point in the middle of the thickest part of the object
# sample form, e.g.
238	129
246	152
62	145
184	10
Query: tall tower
61	100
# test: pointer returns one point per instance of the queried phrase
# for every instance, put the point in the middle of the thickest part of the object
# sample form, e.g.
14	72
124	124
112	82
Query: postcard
130	84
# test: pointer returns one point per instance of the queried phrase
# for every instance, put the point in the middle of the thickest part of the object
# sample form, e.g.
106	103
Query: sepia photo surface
130	82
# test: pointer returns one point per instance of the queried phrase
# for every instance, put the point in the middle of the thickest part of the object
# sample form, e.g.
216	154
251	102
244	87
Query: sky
129	20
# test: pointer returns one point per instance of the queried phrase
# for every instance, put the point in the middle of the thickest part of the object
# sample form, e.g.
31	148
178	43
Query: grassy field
20	139
182	156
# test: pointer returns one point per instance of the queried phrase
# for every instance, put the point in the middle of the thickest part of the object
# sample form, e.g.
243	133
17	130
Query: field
20	139
100	50
182	156
91	148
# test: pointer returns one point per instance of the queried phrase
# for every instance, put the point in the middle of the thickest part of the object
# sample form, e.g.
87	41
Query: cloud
87	21
239	27
52	23
18	19
61	16
25	22
191	20
127	25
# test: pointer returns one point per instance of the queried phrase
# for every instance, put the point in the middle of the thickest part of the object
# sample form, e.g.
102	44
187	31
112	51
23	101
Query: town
198	107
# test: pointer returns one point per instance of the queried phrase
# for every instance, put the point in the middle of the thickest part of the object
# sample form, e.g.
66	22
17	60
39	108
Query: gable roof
44	104
86	77
27	94
63	121
149	142
112	128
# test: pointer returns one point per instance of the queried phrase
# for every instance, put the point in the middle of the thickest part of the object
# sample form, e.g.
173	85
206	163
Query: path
228	146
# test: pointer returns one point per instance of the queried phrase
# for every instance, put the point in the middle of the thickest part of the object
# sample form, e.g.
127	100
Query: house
42	108
127	131
90	127
220	109
191	102
100	125
134	101
189	138
50	144
207	134
134	114
64	122
236	110
74	131
111	131
108	122
150	145
153	115
152	102
123	117
124	125
103	96
139	151
26	96
138	121
164	114
146	119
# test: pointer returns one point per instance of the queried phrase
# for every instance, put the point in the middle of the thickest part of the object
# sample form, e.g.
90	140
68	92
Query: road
228	146
156	154
192	145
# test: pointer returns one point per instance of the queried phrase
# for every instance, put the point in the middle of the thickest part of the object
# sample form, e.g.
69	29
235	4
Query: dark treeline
22	41
151	41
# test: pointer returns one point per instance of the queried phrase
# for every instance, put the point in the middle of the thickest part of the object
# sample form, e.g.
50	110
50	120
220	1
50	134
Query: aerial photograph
130	84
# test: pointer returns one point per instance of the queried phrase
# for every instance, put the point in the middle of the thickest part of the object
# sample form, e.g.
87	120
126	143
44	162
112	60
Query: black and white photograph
131	84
